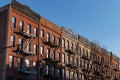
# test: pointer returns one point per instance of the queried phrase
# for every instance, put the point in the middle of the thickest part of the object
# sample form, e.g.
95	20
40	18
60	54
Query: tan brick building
69	54
33	48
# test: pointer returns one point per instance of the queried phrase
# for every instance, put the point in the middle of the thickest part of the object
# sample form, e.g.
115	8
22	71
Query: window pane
46	69
34	64
48	53
53	55
63	43
11	61
21	25
63	57
53	71
28	29
58	41
19	63
48	36
63	73
20	44
53	39
27	63
58	56
28	47
42	33
41	69
35	49
35	32
13	22
12	38
42	50
58	71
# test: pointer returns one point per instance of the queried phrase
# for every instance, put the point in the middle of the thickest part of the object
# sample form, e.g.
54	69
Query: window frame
35	49
35	32
42	33
21	24
42	50
11	61
13	21
28	29
12	40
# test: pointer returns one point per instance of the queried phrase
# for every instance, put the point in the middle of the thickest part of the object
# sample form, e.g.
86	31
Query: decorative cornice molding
69	33
25	10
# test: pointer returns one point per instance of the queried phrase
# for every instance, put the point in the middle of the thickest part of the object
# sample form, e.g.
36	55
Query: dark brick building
33	48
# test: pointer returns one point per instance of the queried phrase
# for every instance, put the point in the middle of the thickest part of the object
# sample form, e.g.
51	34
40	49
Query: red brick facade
33	48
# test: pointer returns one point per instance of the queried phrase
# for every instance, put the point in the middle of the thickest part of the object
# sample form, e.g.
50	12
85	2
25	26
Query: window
41	69
72	75
67	59
80	50
42	50
53	55
63	73
35	49
58	72
67	45
80	76
53	70
58	56
77	63
71	46
63	57
76	48
47	69
13	22
58	41
11	61
72	61
53	39
27	63
19	63
86	53
34	64
20	44
12	40
48	37
21	25
28	28
68	74
42	33
83	52
63	43
48	53
28	47
81	63
35	32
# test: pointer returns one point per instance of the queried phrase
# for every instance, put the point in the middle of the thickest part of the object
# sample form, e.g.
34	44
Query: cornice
25	10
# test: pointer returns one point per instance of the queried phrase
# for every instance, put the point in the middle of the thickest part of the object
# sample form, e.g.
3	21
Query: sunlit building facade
34	48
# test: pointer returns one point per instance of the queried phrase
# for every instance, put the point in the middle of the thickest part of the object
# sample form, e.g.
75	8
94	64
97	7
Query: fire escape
23	50
71	52
51	60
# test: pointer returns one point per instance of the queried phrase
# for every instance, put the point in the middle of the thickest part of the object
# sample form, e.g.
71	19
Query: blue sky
97	20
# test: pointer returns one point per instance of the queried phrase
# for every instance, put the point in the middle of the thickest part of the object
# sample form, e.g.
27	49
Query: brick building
33	48
69	54
20	35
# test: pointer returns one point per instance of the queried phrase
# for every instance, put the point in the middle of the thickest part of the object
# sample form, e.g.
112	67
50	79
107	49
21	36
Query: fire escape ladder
26	71
28	42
